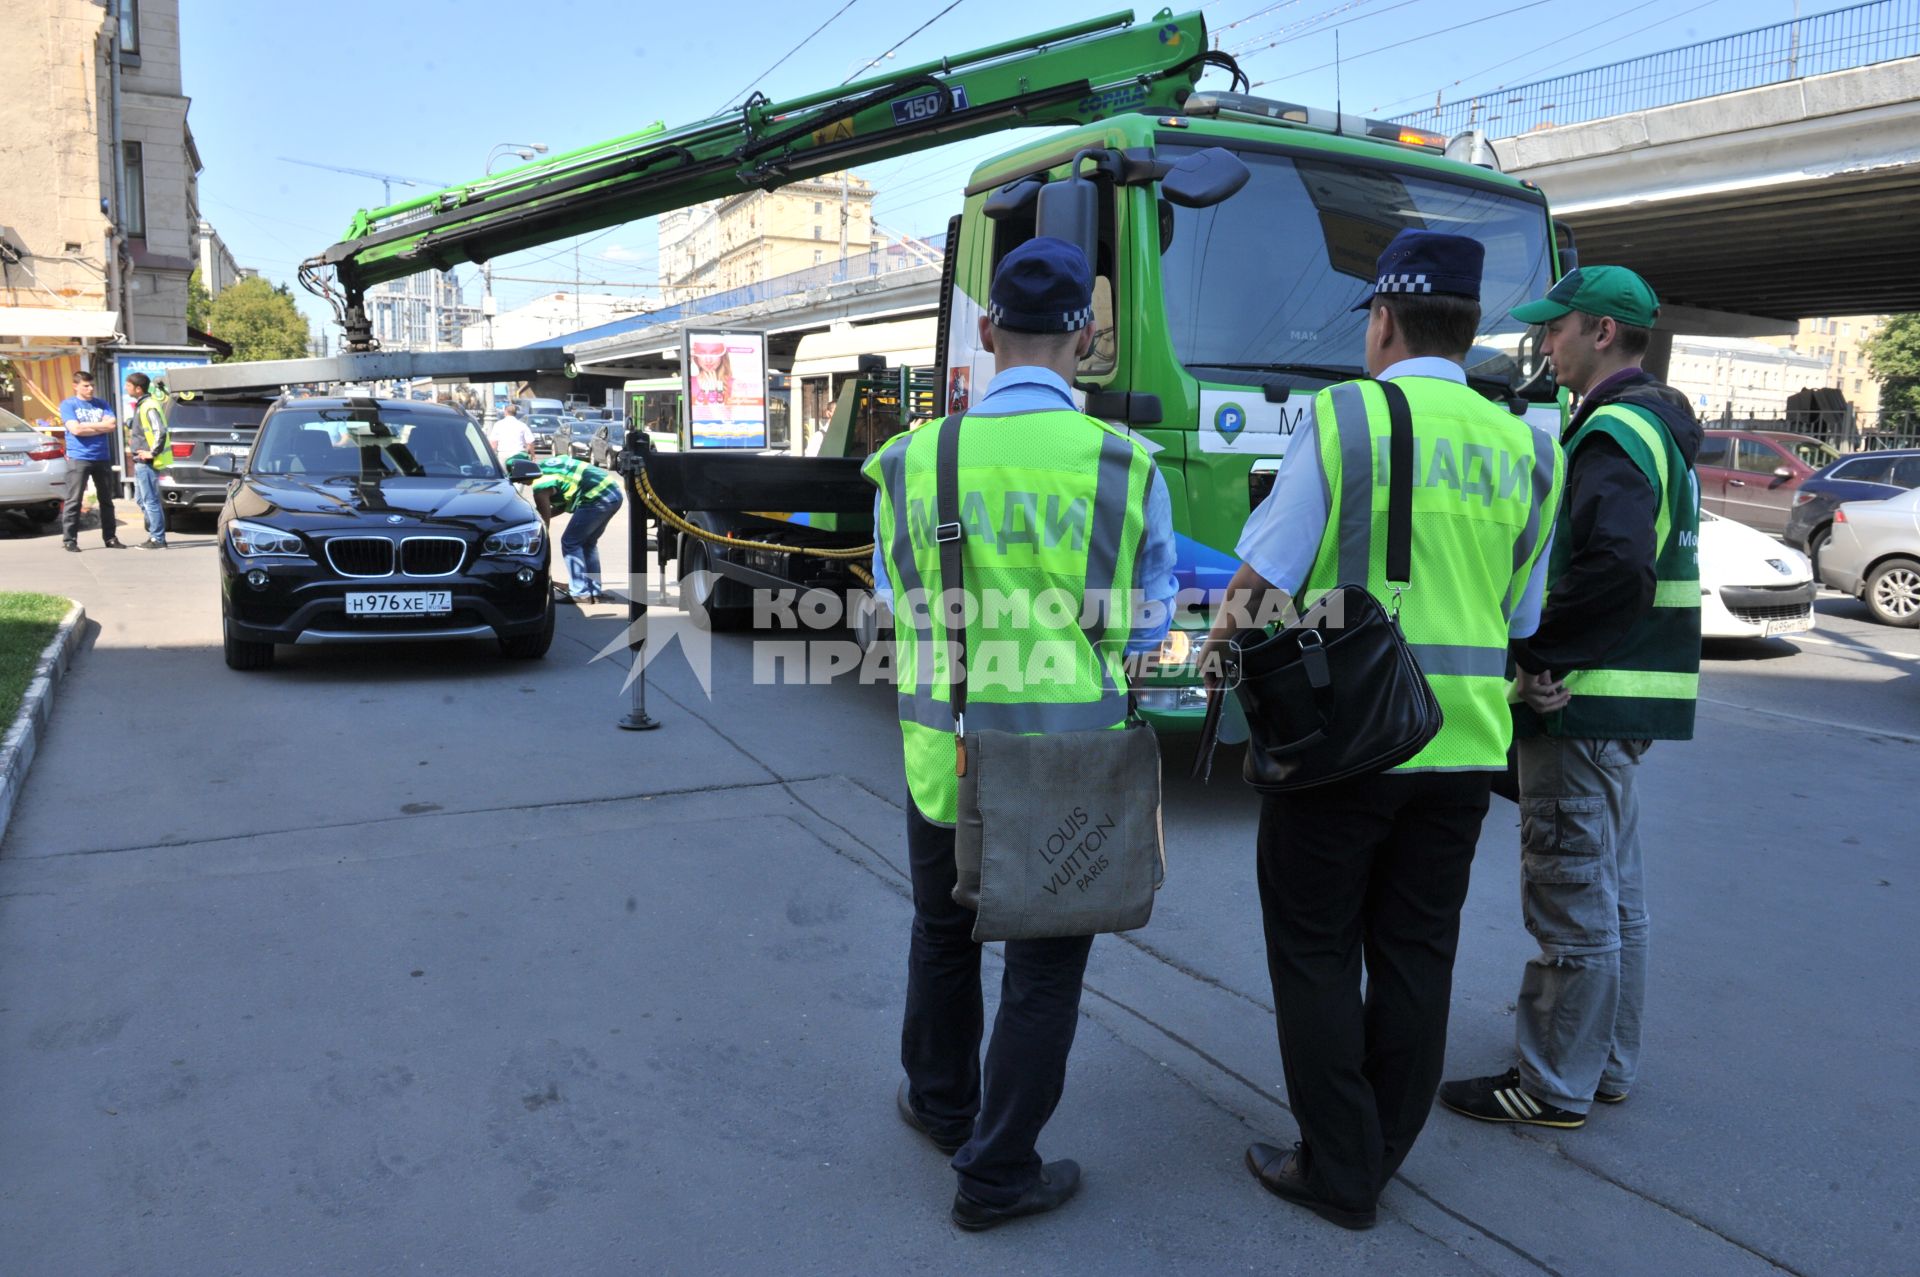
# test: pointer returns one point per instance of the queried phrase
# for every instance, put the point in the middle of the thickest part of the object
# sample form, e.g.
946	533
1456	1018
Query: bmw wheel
1893	593
243	655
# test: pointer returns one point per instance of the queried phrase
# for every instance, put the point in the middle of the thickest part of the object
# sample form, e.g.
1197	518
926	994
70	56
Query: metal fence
1848	431
1838	40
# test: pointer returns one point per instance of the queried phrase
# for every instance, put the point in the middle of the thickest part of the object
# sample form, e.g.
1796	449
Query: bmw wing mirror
1205	178
523	470
222	463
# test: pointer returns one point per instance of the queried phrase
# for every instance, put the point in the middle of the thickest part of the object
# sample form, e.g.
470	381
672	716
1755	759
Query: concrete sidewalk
408	961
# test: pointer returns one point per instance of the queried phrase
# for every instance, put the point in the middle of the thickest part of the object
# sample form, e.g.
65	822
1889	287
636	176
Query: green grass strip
27	624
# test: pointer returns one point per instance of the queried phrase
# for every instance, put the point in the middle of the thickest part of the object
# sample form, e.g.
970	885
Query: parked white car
1874	555
1751	586
33	470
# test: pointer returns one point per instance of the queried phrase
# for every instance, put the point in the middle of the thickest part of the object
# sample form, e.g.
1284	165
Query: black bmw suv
360	520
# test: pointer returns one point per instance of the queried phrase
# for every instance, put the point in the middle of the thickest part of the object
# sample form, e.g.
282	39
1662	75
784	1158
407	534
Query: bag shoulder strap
1399	563
948	533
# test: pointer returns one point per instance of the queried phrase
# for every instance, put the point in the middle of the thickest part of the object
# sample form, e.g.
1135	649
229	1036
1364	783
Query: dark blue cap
1429	263
1043	286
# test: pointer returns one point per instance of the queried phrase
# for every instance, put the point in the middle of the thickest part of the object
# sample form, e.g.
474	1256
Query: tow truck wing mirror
1070	210
1205	178
1014	197
1569	251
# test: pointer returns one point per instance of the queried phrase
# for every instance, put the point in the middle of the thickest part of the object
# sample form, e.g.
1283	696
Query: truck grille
432	556
360	556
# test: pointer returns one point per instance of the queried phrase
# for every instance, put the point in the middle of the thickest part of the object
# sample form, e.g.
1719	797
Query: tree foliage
1894	355
259	320
199	301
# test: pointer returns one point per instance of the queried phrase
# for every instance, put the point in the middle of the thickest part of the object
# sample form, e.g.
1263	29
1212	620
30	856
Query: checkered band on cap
1065	321
1402	283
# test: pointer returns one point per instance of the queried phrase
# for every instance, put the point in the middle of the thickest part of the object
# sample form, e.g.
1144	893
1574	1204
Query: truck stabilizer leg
633	460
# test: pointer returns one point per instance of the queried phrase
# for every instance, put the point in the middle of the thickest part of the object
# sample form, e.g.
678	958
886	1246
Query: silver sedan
33	470
1874	555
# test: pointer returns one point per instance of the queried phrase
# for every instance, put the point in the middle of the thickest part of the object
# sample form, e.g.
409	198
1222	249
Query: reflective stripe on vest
152	424
1647	687
1485	484
1062	519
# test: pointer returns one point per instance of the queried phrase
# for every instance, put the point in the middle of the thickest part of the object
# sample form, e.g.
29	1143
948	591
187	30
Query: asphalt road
406	960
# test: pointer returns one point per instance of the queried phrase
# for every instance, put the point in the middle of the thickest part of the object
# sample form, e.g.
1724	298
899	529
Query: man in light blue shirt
1283	534
1032	389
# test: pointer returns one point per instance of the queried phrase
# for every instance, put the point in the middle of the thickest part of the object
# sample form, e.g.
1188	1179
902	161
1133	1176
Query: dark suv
200	428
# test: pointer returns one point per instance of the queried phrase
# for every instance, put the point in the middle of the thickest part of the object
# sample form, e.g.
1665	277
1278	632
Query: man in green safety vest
1614	666
1056	509
590	497
1377	867
150	450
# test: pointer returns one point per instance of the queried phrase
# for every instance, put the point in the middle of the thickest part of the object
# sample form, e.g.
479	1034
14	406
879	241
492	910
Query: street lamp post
521	151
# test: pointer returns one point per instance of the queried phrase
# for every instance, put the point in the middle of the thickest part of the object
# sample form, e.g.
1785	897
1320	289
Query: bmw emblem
395	518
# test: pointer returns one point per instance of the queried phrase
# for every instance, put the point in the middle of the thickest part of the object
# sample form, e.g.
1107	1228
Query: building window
130	27
818	208
816	232
133	217
816	257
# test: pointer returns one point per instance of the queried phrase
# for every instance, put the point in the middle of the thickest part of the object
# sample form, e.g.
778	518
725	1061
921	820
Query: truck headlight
1175	648
527	538
253	539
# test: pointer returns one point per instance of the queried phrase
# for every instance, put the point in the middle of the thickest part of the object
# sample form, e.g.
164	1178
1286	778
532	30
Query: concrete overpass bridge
1755	179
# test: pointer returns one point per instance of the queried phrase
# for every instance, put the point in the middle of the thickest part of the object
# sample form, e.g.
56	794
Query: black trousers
1001	1111
1372	869
78	472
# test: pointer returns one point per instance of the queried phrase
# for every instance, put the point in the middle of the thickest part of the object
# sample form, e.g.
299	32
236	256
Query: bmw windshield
318	444
1264	283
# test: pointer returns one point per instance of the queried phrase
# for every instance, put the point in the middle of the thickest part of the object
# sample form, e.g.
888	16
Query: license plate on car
1792	625
400	603
228	449
6	461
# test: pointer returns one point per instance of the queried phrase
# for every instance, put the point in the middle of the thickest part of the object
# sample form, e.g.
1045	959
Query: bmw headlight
254	539
527	538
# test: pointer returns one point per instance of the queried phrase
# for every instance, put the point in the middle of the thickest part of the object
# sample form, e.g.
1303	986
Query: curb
36	709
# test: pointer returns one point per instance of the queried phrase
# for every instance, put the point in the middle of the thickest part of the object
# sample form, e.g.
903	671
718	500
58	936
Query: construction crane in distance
386	180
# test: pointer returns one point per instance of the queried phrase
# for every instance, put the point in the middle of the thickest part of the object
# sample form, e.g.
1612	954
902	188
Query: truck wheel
1893	593
706	597
531	647
242	655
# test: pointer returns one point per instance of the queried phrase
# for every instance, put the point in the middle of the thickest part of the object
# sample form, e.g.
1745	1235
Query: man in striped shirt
590	497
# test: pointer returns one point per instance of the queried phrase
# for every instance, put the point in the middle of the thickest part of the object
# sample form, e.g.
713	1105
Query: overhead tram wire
1557	40
900	44
1301	26
788	54
1414	39
1250	51
1592	49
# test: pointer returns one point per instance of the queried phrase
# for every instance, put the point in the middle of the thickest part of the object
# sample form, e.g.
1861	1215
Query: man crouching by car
591	497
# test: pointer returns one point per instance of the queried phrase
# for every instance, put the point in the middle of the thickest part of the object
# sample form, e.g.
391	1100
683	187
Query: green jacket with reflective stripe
147	432
1052	513
572	481
1485	486
1647	685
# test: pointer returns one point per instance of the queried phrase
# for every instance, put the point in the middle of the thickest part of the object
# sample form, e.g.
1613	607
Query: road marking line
1817	722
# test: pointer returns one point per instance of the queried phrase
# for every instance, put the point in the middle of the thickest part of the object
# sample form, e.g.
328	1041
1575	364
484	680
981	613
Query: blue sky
424	88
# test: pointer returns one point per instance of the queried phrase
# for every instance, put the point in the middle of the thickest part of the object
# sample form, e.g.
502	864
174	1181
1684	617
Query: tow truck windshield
324	444
1265	282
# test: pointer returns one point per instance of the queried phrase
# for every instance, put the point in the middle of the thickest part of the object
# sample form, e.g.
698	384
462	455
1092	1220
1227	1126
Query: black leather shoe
1058	1181
1280	1173
113	543
946	1144
71	547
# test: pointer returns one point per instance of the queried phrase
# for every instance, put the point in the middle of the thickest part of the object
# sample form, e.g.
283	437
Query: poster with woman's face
726	376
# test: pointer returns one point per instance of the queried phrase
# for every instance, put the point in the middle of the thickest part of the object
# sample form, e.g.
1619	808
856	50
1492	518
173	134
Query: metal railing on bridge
1847	431
1838	40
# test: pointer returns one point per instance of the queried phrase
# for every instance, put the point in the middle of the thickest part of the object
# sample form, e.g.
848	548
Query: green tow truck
1230	235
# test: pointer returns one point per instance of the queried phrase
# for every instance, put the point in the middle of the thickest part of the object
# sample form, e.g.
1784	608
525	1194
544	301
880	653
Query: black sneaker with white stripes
1501	1099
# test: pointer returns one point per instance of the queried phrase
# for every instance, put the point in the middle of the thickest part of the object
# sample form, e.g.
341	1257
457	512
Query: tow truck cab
1217	325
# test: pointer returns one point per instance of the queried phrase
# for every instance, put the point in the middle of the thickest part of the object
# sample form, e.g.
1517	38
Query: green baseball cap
1612	291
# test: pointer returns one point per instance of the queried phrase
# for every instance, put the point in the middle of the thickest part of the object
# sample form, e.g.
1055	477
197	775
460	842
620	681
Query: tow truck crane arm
1069	75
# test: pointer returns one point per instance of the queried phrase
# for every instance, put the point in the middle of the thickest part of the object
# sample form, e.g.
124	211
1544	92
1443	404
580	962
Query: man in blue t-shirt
90	429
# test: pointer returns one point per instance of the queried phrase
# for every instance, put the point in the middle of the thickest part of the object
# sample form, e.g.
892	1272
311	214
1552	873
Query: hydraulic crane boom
1070	75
